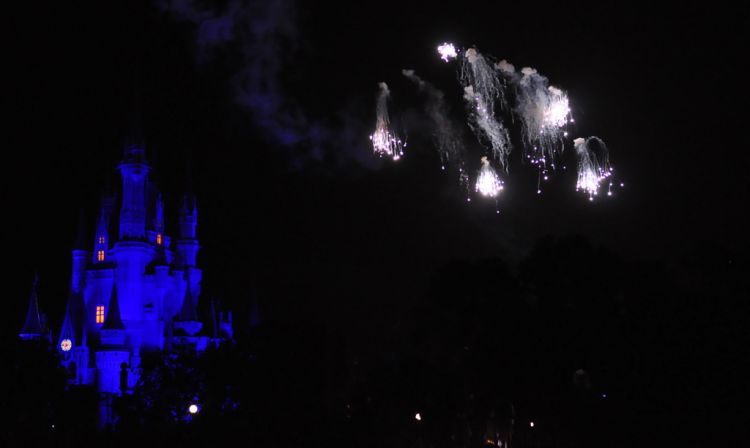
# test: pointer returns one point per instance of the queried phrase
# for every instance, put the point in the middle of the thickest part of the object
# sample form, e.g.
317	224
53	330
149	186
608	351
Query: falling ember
593	165
488	182
447	51
384	141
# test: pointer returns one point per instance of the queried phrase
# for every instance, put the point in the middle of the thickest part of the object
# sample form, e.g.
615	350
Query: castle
133	290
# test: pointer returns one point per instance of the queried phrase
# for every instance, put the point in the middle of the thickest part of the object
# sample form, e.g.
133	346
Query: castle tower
132	253
133	170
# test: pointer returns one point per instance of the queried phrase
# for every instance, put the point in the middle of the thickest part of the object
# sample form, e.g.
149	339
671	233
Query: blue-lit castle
134	288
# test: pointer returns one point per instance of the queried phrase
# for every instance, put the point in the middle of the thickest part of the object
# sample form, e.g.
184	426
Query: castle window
100	255
101	240
158	239
100	314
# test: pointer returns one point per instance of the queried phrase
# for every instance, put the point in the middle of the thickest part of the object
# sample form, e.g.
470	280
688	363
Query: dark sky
320	222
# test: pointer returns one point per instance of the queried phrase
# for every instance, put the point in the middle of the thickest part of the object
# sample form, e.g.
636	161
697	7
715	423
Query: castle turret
187	244
187	318
33	327
74	329
113	355
72	343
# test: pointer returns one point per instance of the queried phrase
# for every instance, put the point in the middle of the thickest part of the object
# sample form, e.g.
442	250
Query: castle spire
187	312
32	327
113	320
212	327
187	319
134	170
73	333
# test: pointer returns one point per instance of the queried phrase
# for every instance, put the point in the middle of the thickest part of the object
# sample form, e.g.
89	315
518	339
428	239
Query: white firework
447	51
544	112
384	141
488	182
482	87
593	165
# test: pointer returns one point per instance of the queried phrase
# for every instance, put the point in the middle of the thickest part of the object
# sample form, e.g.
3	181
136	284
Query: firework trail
488	182
384	141
482	87
445	135
544	111
593	165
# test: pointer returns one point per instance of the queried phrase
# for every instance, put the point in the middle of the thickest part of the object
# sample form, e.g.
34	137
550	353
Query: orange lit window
100	255
158	239
100	314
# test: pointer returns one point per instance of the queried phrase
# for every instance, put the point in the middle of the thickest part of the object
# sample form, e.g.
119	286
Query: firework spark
488	182
447	51
384	141
593	165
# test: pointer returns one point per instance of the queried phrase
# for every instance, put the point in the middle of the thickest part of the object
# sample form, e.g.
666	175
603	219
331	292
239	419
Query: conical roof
33	324
188	312
75	324
113	320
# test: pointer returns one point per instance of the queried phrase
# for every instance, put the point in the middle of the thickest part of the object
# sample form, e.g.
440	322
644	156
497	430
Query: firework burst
384	141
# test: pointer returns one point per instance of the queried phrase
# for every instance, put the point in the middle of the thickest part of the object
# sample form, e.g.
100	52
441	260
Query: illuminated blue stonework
134	289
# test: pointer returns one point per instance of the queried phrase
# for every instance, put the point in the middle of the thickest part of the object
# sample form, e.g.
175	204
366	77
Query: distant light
66	344
193	409
531	424
418	417
604	395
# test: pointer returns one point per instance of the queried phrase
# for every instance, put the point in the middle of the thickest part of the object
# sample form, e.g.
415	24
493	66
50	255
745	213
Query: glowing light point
66	344
447	51
418	417
531	424
193	409
488	182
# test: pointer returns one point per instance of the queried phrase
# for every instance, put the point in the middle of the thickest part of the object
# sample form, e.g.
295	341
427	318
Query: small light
193	409
604	395
418	417
531	424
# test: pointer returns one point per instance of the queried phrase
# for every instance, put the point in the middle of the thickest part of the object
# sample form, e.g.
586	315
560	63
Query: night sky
272	107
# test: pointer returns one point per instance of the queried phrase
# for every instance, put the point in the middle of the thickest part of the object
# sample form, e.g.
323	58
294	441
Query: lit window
66	344
100	255
158	239
101	240
100	314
